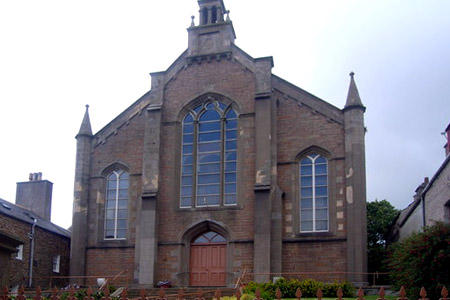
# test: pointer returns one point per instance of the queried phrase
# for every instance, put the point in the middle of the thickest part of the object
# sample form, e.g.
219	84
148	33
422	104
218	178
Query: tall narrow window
214	15
56	263
313	193
116	205
209	156
205	16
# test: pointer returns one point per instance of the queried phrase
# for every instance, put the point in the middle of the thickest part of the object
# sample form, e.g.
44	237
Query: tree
422	260
380	215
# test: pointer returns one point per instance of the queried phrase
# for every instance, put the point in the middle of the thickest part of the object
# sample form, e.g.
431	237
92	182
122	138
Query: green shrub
422	259
308	288
80	294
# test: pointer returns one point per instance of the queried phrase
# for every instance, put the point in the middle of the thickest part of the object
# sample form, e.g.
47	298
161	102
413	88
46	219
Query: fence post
72	293
5	293
106	294
339	294
21	294
180	295
423	294
161	294
278	294
54	295
238	294
444	294
124	295
217	295
38	294
319	294
257	294
381	294
298	294
199	295
402	294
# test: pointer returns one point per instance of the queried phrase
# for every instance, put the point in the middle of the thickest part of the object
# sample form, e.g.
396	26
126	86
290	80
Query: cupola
214	33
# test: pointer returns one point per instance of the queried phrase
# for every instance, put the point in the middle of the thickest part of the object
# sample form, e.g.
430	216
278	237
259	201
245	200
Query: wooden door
208	261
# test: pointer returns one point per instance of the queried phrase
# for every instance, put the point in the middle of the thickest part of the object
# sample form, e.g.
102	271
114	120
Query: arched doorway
208	260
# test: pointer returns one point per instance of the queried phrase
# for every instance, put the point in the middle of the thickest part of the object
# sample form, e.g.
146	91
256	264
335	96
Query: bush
82	293
309	287
422	259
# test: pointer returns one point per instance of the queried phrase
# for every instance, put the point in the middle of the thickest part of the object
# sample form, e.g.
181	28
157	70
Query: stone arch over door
192	245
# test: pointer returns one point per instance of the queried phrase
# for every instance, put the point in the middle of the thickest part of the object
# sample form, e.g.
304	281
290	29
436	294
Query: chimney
35	195
447	137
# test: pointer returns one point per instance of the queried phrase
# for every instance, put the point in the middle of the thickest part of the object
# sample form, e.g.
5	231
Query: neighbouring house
32	248
222	167
431	202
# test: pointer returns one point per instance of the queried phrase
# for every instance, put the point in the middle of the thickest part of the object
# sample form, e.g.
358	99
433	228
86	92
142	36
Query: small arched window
313	193
214	15
209	156
205	16
116	205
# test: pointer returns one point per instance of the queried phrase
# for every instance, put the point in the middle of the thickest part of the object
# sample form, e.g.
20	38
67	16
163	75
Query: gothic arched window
116	205
209	156
313	193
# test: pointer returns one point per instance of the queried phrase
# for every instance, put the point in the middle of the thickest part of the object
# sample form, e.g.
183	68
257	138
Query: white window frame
313	187
19	254
56	263
118	174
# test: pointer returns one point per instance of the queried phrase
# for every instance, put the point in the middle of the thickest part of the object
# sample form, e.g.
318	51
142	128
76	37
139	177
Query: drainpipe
423	212
31	235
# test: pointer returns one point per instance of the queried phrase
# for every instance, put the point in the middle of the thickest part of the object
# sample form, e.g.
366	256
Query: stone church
222	167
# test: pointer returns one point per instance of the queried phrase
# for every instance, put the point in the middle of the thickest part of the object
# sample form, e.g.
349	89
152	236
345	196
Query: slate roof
17	212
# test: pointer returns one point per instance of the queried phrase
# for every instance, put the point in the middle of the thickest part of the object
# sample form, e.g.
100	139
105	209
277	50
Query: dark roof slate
17	212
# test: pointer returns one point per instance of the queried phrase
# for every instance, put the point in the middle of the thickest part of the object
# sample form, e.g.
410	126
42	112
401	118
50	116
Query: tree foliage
380	215
422	259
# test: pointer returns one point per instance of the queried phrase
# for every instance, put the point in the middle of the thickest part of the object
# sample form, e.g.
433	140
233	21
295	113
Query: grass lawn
369	297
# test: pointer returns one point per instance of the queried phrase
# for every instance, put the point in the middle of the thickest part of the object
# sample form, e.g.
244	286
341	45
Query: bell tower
214	34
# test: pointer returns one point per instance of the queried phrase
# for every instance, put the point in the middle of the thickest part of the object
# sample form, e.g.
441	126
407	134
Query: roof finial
228	15
352	74
192	21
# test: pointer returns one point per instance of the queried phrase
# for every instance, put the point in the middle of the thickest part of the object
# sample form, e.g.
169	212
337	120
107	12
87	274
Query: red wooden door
208	261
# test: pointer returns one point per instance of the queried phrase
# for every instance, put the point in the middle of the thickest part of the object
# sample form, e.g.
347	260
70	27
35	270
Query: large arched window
313	193
209	156
116	205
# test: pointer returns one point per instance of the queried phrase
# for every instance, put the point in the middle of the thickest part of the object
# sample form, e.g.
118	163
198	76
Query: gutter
31	235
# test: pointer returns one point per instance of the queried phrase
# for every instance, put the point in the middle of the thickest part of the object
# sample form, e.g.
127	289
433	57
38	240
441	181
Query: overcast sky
56	56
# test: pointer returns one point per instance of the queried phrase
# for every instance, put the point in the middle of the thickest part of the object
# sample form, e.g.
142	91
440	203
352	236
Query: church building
222	167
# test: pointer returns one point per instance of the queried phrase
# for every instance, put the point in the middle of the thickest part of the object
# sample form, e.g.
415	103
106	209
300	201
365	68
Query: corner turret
355	185
80	198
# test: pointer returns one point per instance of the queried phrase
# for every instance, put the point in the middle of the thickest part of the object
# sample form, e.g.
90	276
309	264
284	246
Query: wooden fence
56	295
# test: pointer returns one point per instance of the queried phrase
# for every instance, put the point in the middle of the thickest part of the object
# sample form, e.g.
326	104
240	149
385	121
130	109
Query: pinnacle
85	128
353	98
